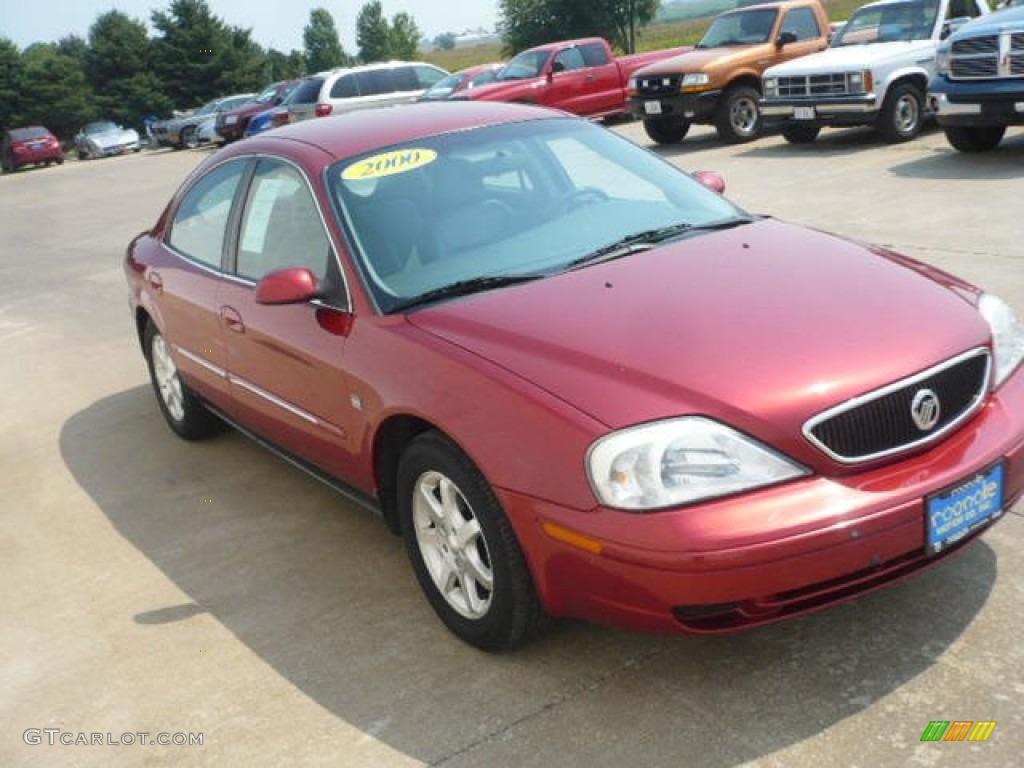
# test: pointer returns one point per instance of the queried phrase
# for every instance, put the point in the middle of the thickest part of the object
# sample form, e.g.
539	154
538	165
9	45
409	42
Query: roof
360	131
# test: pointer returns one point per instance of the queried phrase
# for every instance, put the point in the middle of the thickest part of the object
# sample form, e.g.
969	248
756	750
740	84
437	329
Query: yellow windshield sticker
389	163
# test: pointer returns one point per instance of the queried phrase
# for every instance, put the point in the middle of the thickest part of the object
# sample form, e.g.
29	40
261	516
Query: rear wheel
666	130
463	550
902	113
800	133
60	160
975	138
738	117
182	410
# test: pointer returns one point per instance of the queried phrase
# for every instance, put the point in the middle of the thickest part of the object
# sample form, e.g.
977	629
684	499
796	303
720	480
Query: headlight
942	59
694	80
632	84
1007	335
859	82
679	461
771	86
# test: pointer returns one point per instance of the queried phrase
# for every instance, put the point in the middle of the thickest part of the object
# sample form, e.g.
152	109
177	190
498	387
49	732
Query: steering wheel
581	196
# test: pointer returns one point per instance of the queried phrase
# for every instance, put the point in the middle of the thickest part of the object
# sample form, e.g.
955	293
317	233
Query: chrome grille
988	57
806	86
660	85
881	424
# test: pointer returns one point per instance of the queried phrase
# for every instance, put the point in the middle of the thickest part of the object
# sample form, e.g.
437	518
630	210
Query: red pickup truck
580	76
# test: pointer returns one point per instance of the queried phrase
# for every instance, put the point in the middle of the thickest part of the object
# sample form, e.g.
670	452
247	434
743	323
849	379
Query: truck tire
738	117
902	113
666	130
974	138
800	133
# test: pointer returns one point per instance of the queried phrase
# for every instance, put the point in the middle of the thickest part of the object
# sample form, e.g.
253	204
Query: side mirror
557	67
951	26
785	39
712	180
293	285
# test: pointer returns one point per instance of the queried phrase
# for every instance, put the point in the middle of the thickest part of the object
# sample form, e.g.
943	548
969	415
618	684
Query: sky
274	23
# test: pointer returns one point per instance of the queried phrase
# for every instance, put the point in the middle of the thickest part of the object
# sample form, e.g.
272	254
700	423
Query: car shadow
324	595
1003	162
831	142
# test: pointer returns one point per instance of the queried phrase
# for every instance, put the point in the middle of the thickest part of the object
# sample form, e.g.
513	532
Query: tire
666	130
189	139
82	155
457	536
738	116
60	160
974	138
902	113
800	133
183	411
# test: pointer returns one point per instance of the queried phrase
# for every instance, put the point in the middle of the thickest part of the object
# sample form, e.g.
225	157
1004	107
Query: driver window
803	23
281	226
570	59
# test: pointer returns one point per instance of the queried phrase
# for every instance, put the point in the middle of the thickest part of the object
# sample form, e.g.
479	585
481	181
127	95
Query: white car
875	72
104	138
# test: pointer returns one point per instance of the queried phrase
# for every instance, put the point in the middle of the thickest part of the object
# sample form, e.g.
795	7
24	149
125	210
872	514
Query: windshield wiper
649	238
466	287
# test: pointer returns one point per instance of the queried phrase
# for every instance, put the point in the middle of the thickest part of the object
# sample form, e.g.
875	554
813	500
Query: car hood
849	58
761	326
113	138
698	59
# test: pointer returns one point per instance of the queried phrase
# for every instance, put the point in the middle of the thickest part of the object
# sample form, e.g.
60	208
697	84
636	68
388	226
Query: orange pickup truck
719	82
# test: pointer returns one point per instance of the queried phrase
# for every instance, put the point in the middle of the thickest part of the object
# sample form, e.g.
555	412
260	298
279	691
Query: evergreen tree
11	72
55	91
322	45
404	37
373	34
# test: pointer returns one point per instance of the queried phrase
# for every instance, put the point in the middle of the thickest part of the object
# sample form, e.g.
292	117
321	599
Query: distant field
664	35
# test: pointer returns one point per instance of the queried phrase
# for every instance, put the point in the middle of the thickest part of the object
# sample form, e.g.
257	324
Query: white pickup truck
875	72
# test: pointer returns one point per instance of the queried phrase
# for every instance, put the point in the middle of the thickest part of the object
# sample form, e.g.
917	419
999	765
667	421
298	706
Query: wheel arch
142	319
914	75
390	440
748	79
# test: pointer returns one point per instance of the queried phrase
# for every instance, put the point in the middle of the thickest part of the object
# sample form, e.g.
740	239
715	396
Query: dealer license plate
652	107
804	113
957	512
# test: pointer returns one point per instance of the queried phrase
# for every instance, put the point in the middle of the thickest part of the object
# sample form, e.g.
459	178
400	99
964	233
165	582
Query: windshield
93	128
442	89
889	22
741	28
524	66
529	198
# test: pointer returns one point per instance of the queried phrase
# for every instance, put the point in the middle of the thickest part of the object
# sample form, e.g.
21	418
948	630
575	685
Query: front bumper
847	110
767	555
977	103
694	107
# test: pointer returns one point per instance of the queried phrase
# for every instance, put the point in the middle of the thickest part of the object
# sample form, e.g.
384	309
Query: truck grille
660	85
988	57
881	423
808	86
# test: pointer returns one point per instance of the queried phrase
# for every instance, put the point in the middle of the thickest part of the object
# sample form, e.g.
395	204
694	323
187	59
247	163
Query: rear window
306	92
35	132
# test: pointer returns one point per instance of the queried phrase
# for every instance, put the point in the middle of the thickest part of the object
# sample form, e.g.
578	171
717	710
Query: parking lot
161	587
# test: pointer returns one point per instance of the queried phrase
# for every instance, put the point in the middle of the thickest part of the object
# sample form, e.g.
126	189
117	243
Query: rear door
285	362
185	280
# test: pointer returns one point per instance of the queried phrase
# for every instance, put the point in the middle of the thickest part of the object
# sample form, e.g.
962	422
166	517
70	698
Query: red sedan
576	380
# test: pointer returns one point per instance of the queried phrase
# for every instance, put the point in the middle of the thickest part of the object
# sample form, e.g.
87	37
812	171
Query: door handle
591	78
155	281
232	319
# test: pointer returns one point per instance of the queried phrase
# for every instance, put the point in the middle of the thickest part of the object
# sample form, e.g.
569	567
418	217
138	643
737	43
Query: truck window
594	54
801	22
570	58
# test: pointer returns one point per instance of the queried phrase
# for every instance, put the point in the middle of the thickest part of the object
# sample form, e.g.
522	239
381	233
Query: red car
33	145
576	380
231	125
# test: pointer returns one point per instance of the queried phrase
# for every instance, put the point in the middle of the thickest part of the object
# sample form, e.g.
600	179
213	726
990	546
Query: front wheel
666	130
738	117
902	113
189	139
800	133
974	138
463	550
182	410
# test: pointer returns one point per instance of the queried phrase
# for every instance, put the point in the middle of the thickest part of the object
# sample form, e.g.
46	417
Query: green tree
55	90
11	71
285	66
526	23
322	45
118	65
373	34
445	41
404	37
198	57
